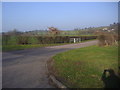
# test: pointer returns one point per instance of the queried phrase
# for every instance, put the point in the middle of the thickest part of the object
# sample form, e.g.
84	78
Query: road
26	68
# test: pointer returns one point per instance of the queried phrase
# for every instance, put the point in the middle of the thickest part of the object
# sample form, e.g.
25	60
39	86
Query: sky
27	16
59	0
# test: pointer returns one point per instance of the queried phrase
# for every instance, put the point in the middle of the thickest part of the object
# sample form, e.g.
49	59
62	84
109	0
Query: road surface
26	68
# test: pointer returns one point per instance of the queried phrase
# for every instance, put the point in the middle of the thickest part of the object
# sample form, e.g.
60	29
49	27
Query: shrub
23	39
6	39
107	39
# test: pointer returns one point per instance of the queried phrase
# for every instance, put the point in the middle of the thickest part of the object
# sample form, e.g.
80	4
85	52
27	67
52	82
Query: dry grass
107	39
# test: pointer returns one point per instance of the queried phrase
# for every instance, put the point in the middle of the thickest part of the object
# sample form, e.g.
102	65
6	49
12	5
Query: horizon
29	16
56	27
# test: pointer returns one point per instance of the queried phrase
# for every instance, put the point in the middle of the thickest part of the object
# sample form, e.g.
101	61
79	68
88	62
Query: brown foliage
106	38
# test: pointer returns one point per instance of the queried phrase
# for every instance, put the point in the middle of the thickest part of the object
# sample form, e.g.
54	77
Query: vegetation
79	68
55	36
18	42
106	39
27	46
25	39
84	67
21	47
90	67
56	31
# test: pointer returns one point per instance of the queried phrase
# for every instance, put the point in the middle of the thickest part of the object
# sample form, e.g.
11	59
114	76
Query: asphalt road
26	68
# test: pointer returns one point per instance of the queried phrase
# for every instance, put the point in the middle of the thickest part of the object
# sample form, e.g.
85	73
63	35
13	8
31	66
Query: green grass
21	47
83	67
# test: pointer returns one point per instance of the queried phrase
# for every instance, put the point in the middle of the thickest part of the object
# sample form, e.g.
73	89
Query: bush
5	39
107	39
23	39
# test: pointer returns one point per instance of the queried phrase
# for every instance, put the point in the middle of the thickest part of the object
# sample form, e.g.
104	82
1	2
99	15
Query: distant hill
86	31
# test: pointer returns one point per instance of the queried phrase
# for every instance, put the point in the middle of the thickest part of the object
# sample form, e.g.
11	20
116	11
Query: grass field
83	67
21	47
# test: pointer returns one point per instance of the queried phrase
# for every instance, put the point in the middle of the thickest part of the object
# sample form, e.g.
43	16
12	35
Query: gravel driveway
26	68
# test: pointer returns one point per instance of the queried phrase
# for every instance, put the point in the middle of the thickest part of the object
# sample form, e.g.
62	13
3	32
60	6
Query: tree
14	32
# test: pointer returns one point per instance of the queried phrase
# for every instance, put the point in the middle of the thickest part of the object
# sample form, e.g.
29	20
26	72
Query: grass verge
21	47
83	67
